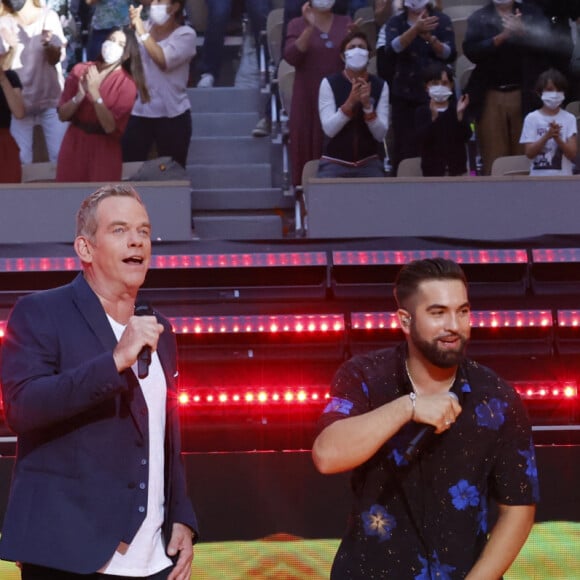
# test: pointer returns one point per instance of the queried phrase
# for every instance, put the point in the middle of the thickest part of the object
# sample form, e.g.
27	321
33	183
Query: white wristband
143	37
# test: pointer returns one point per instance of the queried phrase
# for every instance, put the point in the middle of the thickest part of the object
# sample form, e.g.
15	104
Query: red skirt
10	168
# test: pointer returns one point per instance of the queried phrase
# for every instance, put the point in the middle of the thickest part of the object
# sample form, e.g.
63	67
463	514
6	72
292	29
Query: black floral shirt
427	519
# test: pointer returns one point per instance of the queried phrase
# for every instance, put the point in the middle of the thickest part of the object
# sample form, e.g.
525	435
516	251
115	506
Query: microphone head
143	309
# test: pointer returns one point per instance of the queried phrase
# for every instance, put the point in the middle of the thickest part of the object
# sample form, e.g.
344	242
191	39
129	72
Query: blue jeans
373	168
218	15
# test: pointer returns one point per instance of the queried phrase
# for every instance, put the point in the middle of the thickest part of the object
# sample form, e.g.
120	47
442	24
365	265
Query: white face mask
356	58
416	5
322	4
158	14
111	52
439	93
552	99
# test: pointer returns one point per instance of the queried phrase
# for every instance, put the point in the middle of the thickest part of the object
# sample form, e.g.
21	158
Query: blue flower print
378	522
532	470
464	495
398	458
465	388
435	569
491	414
482	515
365	389
338	405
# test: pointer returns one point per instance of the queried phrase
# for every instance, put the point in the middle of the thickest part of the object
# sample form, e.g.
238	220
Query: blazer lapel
92	310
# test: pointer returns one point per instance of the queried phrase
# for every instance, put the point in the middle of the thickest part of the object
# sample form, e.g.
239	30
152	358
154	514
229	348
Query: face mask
416	5
17	5
111	52
322	4
158	14
552	99
356	58
439	93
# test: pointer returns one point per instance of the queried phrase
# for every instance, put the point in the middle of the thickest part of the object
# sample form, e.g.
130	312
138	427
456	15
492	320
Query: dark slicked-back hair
413	273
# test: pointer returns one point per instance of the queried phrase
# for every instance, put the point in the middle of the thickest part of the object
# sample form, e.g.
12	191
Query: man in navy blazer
98	487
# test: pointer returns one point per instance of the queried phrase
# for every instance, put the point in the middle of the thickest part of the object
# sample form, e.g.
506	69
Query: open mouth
138	260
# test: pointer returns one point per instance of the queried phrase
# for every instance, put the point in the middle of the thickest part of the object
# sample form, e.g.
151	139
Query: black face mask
17	5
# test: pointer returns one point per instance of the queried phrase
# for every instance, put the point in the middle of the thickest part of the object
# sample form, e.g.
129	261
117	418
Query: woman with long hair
167	47
312	46
97	100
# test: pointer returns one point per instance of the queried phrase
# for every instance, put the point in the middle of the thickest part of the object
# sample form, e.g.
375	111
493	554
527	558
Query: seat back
410	167
286	74
274	26
511	165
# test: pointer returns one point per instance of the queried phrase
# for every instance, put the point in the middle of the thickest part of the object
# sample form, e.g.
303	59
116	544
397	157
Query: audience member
35	35
313	47
441	126
549	134
167	46
11	105
559	15
108	15
97	99
218	15
415	38
354	112
383	9
509	44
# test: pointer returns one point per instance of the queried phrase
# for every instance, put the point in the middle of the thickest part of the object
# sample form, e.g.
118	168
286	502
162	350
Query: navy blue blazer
82	434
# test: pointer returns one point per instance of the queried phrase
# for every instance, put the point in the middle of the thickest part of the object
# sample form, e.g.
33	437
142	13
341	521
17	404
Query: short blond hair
87	214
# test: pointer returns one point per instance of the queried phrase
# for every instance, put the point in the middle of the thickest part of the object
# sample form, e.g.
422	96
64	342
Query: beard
437	356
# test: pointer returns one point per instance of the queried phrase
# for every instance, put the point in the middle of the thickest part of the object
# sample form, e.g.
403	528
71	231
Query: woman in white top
167	47
35	35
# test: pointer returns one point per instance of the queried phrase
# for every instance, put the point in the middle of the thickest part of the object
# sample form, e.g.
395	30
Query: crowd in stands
351	106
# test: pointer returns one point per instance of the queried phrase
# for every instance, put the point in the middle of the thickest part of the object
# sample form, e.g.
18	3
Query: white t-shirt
145	555
551	160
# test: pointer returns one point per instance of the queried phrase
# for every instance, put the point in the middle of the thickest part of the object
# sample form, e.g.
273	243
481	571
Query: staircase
236	191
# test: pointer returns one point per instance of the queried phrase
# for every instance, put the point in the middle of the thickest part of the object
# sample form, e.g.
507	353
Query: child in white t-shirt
549	133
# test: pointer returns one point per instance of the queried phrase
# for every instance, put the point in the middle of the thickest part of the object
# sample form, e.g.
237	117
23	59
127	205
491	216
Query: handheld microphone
144	358
418	442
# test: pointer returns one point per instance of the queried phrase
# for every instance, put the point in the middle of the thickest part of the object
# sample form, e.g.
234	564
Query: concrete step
240	199
238	227
225	100
234	150
224	124
249	175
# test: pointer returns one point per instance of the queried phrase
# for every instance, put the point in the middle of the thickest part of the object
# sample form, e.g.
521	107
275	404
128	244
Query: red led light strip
555	255
371	258
317	395
569	318
177	261
248	396
258	324
479	319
